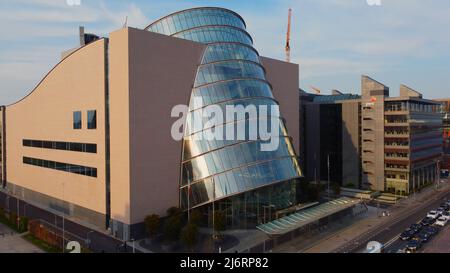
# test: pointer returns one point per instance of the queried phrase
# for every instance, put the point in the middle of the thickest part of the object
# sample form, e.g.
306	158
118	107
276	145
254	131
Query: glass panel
92	119
229	70
77	120
215	34
224	51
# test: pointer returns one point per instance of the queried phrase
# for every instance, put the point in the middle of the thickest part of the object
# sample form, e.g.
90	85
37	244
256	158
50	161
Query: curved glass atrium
249	184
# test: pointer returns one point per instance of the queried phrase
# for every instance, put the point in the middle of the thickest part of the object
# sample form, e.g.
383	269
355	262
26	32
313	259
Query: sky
333	41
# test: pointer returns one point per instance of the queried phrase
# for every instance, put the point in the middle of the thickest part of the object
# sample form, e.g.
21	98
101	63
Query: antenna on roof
126	22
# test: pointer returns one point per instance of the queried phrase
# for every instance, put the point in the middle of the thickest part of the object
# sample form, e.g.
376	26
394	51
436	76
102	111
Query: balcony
397	147
397	134
396	158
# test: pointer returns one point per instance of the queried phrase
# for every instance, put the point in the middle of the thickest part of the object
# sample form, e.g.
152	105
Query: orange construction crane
288	38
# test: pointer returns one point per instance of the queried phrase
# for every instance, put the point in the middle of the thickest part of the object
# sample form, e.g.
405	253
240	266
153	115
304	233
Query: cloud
39	30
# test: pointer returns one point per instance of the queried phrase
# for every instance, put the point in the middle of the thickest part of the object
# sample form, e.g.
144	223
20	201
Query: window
59	145
65	167
92	119
77	120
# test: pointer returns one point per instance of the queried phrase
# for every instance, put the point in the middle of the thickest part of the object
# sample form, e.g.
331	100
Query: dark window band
58	145
65	167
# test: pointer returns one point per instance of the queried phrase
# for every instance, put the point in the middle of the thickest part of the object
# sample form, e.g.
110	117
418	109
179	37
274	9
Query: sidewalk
12	242
367	225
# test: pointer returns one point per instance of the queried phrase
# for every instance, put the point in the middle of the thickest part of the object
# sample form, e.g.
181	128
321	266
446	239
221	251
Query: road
388	234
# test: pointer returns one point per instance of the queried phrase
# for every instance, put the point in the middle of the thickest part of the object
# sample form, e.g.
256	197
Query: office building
373	141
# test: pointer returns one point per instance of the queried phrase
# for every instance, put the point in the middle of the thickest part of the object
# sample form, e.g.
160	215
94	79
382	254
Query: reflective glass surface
196	18
198	119
229	51
228	90
230	74
214	34
233	156
239	180
228	70
197	144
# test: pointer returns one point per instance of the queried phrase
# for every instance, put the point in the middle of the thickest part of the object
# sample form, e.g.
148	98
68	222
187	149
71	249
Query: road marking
391	241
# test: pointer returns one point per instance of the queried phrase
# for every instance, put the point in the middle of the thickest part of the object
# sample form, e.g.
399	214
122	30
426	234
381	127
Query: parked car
431	230
423	236
407	234
416	227
413	245
427	221
440	210
441	221
446	215
433	214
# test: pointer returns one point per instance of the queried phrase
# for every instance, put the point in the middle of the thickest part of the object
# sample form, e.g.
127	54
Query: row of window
232	157
216	72
195	18
59	145
215	34
234	89
235	110
59	166
239	180
229	51
91	120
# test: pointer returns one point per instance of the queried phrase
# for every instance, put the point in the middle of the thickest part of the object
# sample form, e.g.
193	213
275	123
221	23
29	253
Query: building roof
304	217
334	98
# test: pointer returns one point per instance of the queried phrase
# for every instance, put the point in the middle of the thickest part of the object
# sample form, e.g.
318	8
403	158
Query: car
413	245
446	215
433	214
407	234
440	210
423	236
427	221
416	227
431	230
441	221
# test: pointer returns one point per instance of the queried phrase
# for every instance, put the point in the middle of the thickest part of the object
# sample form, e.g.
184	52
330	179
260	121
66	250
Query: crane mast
288	38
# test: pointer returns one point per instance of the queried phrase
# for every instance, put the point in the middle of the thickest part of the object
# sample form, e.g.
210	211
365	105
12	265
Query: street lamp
133	241
63	219
328	164
88	239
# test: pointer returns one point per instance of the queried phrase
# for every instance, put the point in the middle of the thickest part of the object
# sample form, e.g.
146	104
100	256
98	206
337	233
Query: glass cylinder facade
230	74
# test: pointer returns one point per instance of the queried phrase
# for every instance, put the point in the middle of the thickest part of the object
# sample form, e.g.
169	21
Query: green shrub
172	227
152	224
196	217
189	235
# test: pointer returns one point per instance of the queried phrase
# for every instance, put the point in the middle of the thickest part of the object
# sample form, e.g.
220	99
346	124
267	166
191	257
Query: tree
152	223
189	235
219	221
174	211
196	217
172	227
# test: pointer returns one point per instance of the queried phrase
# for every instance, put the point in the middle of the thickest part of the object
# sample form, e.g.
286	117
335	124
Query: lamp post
133	241
63	220
88	239
328	165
